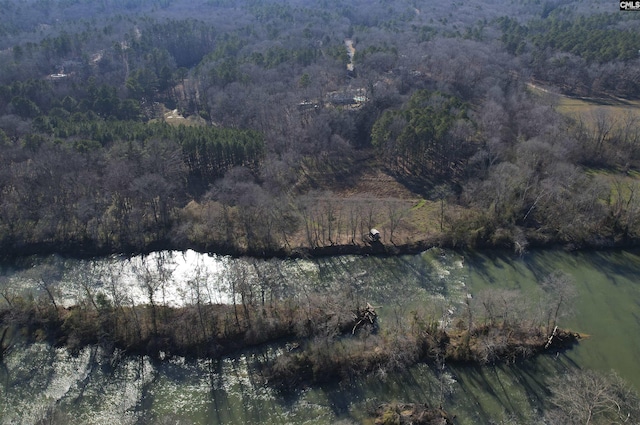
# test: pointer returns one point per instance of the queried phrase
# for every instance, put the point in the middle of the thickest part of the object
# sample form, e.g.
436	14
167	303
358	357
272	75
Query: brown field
377	197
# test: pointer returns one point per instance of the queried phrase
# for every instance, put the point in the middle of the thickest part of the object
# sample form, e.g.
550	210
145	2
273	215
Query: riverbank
84	250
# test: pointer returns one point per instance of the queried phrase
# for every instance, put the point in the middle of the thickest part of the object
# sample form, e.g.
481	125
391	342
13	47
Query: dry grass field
587	108
377	198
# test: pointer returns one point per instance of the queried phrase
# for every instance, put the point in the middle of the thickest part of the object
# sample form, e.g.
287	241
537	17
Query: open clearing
586	108
372	196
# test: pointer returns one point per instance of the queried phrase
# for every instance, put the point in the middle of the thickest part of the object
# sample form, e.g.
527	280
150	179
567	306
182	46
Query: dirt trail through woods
350	51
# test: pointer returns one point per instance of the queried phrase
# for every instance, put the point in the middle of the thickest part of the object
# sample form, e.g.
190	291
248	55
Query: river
40	382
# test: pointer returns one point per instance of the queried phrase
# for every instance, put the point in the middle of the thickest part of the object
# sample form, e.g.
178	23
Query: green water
39	382
607	307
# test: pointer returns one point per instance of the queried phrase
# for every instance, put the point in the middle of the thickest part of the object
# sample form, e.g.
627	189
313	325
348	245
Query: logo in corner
630	5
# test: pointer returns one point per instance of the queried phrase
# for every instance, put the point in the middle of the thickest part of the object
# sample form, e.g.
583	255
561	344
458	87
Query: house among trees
374	235
349	97
307	105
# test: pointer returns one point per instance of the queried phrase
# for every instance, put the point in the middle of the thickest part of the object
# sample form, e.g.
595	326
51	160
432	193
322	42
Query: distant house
307	105
374	235
349	97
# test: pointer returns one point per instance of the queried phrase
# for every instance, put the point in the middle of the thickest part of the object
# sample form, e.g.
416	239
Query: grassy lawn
586	108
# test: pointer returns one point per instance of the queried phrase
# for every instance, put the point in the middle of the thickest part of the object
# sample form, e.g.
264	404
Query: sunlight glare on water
40	382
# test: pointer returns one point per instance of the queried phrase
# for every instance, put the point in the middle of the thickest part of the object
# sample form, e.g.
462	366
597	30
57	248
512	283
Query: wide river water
44	384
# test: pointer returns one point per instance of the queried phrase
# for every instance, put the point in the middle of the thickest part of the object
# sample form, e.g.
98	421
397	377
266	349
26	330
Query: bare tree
624	204
47	278
153	277
628	137
333	221
442	191
86	279
7	291
353	220
561	292
587	397
196	285
500	307
396	213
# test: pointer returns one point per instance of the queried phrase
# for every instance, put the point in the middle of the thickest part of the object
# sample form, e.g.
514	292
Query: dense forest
275	127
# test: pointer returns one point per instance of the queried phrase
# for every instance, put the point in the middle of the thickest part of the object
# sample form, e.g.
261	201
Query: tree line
579	54
109	185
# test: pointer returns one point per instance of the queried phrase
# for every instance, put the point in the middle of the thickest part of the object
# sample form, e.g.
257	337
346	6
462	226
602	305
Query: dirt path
350	51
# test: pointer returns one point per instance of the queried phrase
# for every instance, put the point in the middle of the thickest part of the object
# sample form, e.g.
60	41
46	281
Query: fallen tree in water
495	326
410	413
323	360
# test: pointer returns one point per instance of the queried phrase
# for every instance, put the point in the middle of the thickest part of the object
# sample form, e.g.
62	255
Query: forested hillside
270	127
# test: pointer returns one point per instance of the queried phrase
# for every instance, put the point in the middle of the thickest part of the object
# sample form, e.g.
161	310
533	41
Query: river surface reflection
43	383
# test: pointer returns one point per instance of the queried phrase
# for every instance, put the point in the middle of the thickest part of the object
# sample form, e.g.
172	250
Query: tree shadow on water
611	263
490	265
616	263
518	389
366	393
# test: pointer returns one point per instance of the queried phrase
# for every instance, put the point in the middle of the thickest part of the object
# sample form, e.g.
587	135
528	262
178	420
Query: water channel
39	382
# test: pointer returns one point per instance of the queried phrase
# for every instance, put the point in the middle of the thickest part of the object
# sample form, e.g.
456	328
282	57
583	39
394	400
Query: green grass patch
421	203
425	217
622	184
